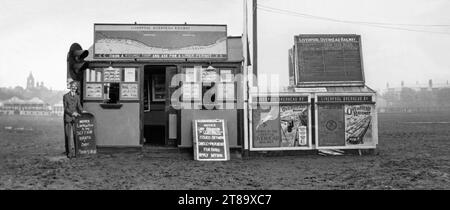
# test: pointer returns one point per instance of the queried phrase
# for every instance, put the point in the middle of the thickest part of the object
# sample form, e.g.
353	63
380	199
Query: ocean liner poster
182	41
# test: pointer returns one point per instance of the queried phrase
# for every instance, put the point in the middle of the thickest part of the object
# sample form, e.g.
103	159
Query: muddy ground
409	156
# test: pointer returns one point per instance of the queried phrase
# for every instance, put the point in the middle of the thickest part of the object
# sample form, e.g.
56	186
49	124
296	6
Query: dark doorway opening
155	105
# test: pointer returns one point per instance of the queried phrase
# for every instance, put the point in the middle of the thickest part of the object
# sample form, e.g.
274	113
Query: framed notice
129	91
211	140
158	87
94	90
112	75
130	75
191	75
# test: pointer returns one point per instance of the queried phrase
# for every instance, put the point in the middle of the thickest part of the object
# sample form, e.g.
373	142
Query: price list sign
84	135
210	140
329	58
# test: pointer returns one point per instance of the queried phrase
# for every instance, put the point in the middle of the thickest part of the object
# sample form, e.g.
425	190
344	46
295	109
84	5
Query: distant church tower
30	81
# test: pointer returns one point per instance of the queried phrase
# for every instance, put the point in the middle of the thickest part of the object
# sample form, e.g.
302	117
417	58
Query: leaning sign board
328	59
211	140
84	135
160	42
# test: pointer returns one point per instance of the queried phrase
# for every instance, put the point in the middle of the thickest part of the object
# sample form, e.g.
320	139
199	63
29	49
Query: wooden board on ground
84	135
211	140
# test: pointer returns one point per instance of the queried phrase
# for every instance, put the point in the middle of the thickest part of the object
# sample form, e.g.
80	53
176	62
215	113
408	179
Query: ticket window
111	85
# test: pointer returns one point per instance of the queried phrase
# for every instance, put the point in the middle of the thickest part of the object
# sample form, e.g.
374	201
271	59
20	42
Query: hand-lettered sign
84	135
211	140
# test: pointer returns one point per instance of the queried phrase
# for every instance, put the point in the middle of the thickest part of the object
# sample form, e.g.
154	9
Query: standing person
72	109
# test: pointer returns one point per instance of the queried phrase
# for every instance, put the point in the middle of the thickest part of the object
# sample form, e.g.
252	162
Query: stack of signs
210	140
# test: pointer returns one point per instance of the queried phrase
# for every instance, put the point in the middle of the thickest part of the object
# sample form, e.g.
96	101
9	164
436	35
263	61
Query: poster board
281	122
84	132
328	59
346	121
211	140
160	41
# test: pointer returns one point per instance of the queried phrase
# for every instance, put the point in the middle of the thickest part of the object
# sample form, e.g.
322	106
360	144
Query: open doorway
155	105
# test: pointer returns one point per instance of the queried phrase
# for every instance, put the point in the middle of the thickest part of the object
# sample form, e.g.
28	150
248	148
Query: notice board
84	135
211	140
328	58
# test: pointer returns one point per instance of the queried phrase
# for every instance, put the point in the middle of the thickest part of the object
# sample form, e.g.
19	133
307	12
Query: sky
36	35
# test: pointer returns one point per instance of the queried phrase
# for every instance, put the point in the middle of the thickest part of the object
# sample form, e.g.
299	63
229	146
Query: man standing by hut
72	109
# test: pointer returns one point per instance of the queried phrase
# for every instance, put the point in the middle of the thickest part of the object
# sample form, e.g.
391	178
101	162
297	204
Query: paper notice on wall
129	91
130	75
190	75
94	91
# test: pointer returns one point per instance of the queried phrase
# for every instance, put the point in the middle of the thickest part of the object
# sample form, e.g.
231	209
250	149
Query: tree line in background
418	100
48	96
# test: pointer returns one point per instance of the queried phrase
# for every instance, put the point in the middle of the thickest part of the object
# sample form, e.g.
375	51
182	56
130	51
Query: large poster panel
160	41
326	58
331	125
358	125
294	122
266	126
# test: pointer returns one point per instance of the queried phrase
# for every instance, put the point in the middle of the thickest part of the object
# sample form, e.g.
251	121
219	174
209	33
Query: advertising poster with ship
266	127
160	41
294	122
358	124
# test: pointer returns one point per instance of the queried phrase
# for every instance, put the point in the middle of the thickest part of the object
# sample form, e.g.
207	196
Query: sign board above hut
326	59
160	42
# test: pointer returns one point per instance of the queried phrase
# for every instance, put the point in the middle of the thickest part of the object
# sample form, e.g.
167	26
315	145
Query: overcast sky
36	35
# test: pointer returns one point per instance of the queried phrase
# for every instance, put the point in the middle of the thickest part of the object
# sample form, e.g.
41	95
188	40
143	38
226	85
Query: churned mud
409	156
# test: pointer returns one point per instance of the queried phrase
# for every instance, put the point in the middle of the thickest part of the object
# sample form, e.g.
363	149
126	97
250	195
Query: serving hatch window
111	84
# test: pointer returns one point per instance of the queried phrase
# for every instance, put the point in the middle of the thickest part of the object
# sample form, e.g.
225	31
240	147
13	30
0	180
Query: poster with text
294	122
210	140
358	125
266	127
94	90
129	91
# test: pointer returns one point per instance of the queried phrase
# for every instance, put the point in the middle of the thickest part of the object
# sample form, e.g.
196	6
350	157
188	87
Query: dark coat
71	105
